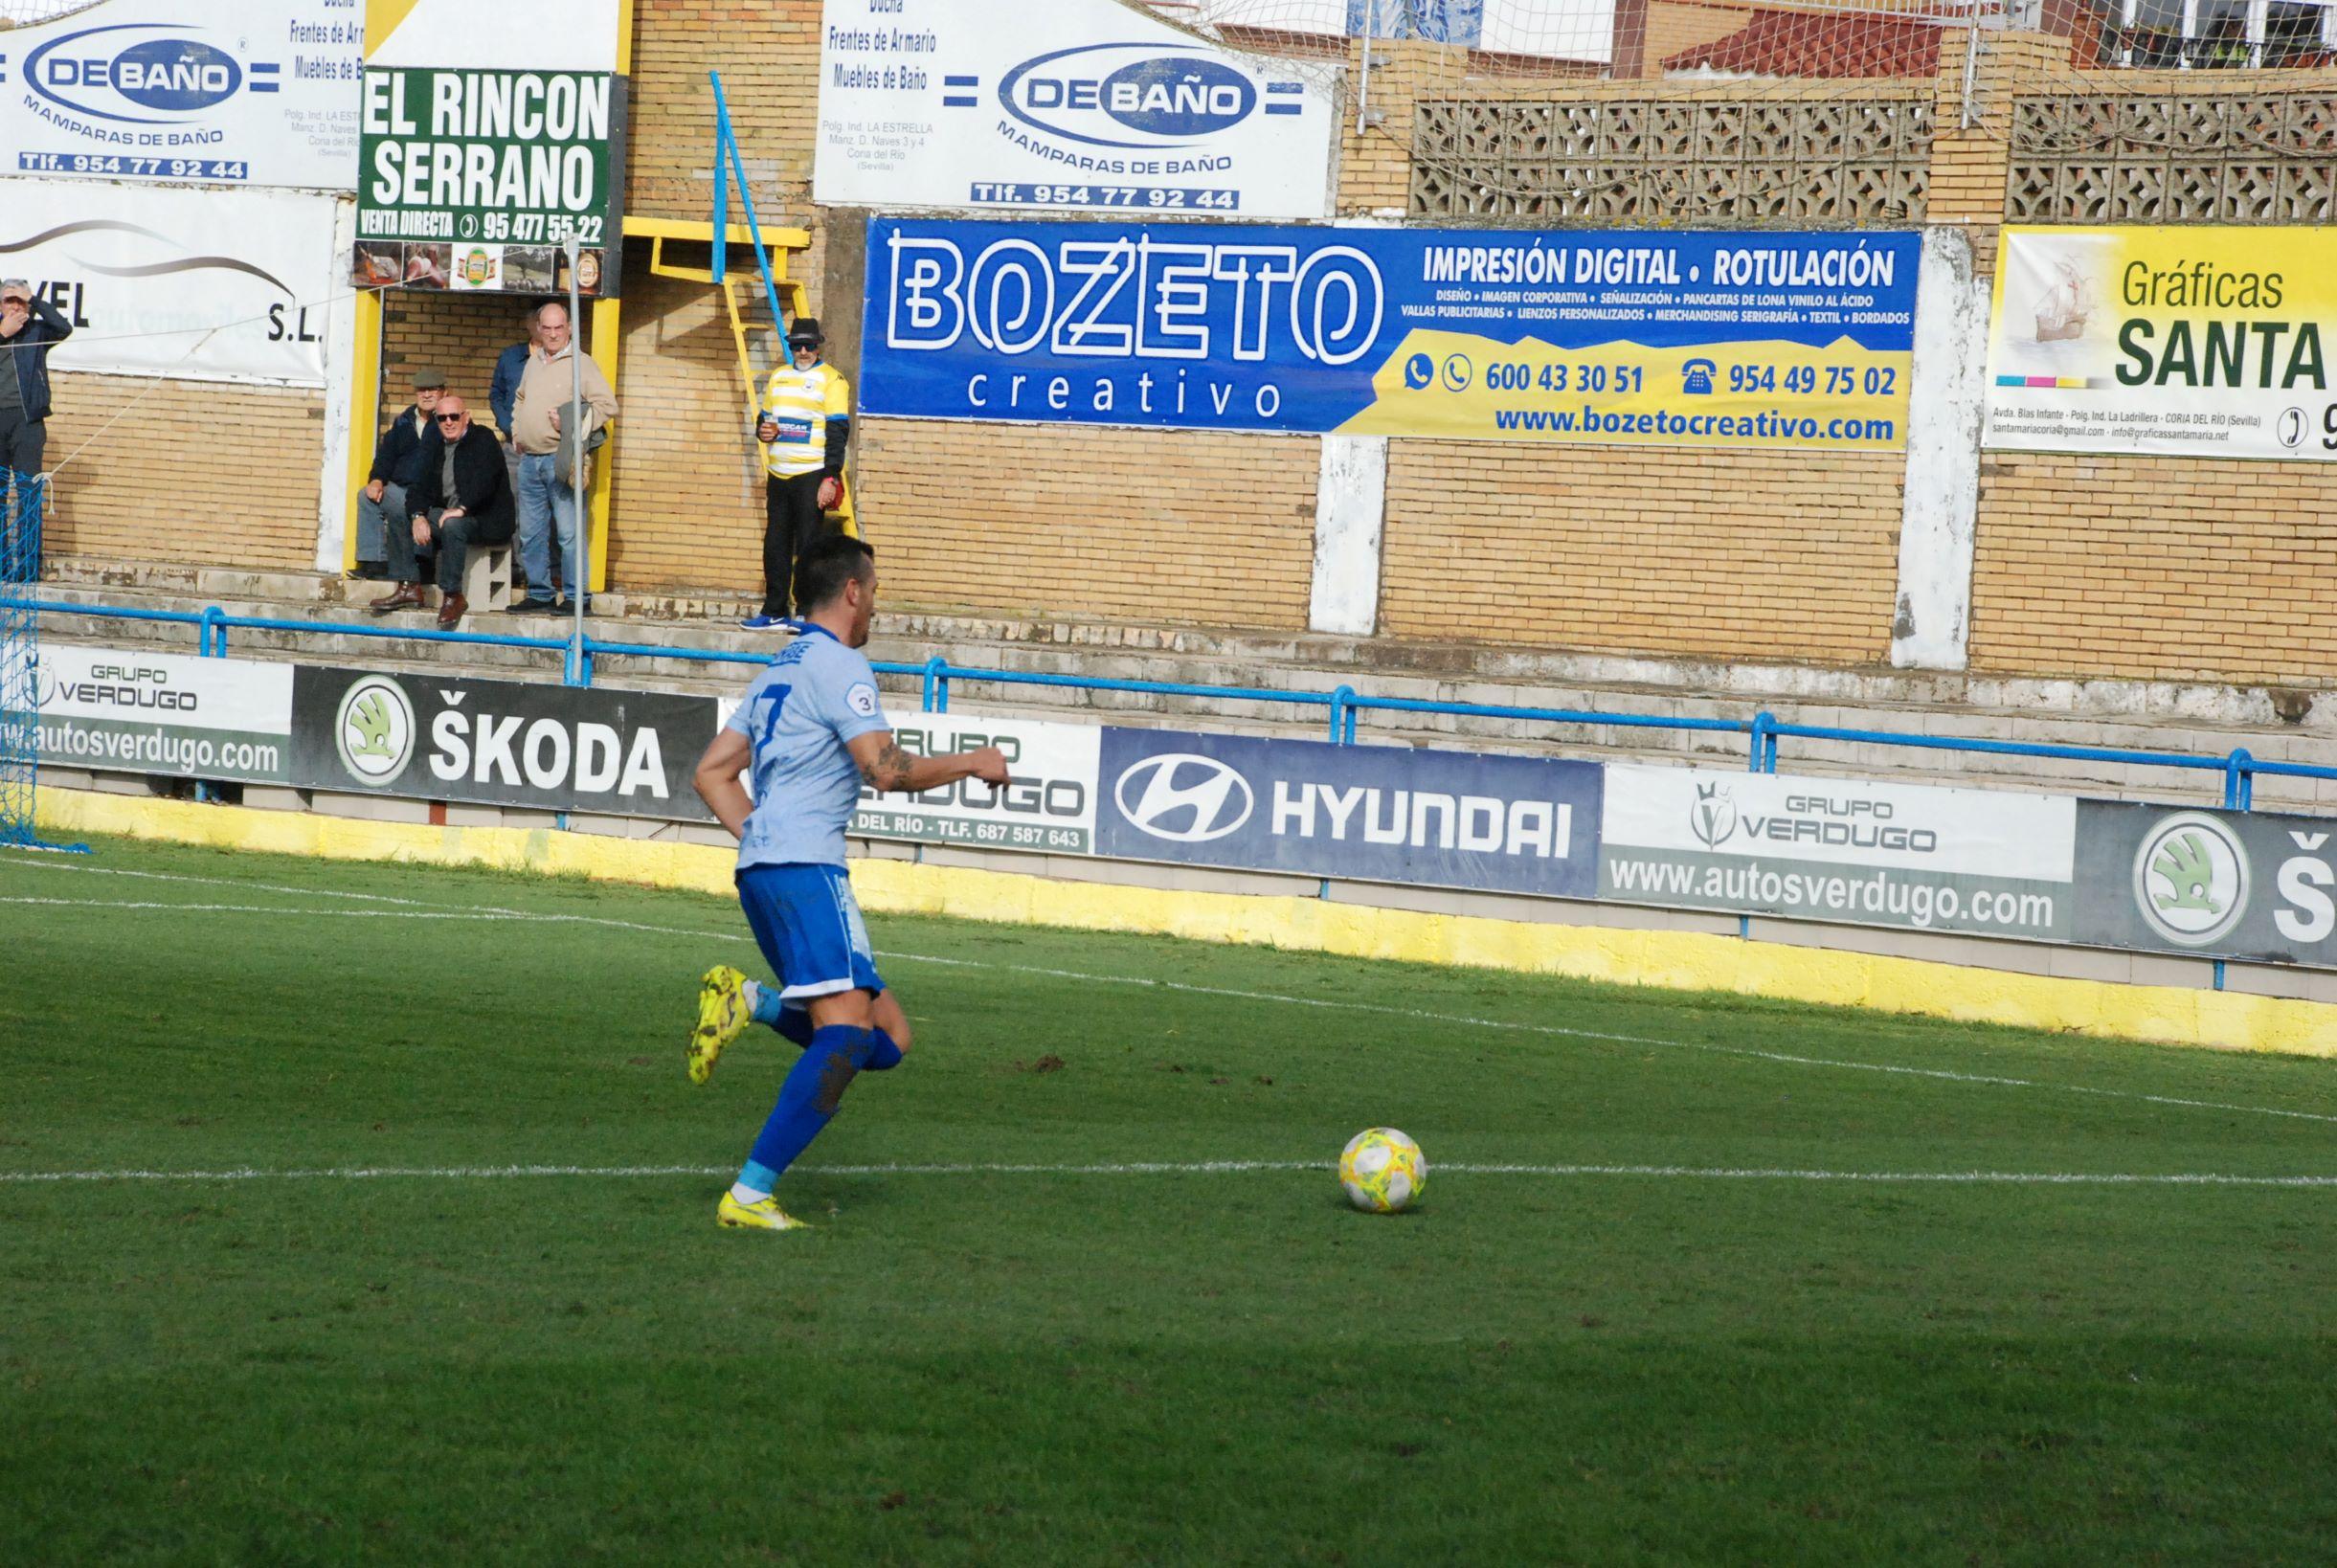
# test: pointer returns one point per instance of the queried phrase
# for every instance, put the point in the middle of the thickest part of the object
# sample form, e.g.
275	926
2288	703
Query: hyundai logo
1184	798
93	74
1098	94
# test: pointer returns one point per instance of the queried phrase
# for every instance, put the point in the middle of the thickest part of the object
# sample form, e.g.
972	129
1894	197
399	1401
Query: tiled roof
1800	43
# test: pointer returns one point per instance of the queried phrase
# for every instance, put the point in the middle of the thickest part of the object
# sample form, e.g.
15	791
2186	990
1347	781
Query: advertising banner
1792	341
1373	812
214	92
484	145
1075	103
2194	340
114	712
197	286
1836	849
1049	808
513	743
2211	884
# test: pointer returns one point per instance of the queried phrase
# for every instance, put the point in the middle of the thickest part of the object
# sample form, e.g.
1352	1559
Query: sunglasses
453	418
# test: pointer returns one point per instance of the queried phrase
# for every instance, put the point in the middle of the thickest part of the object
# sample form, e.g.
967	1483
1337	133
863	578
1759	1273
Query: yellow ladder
794	298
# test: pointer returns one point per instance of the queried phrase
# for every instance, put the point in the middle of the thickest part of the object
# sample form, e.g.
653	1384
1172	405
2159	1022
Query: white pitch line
1210	1167
45	864
1417	1015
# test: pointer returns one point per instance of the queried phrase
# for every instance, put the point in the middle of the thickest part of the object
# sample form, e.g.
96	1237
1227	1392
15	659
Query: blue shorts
808	925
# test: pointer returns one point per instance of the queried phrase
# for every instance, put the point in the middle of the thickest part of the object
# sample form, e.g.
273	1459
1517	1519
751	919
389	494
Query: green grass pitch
1034	1325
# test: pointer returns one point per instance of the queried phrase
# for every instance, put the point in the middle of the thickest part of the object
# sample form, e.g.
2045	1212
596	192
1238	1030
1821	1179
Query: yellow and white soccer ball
1383	1171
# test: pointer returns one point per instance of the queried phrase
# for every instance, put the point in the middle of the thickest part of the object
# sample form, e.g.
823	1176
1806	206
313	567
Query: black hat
805	330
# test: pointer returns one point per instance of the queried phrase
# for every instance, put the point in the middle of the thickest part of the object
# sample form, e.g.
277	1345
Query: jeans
545	503
22	441
452	542
375	521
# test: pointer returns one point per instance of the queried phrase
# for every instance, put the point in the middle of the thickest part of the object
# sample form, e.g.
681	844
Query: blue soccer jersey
799	715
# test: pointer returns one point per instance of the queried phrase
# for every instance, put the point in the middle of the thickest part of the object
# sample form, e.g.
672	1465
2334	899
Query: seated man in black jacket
411	441
462	500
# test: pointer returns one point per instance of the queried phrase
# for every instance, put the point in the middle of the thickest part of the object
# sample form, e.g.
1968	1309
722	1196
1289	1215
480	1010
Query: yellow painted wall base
1683	960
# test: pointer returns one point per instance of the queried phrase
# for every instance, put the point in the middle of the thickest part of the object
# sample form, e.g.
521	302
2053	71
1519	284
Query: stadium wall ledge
1687	961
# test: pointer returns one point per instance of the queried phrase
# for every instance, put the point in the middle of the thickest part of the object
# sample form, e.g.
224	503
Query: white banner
199	285
1049	807
216	92
117	712
1840	849
1086	105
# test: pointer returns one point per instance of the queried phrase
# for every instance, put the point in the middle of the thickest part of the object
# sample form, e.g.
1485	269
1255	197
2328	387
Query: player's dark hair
822	570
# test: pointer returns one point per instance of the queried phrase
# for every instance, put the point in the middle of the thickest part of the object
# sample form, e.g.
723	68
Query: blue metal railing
1342	705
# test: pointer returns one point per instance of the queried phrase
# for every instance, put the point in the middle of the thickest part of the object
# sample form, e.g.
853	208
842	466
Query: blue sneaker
766	623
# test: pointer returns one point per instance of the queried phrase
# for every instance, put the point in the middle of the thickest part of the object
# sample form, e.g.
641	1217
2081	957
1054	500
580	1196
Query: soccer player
812	730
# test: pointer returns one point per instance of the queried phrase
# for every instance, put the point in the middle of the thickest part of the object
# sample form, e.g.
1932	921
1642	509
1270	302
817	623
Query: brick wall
768	52
2162	569
687	506
457	335
1135	525
194	471
1724	555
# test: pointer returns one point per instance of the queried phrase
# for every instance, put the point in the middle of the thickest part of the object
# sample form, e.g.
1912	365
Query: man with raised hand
29	327
812	729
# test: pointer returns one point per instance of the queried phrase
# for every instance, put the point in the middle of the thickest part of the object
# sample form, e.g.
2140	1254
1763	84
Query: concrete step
2096	714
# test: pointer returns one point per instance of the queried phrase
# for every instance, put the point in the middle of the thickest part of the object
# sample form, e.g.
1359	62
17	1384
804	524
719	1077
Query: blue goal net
20	505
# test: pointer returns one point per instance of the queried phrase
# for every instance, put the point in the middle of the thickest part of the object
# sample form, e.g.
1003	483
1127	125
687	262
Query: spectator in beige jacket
543	426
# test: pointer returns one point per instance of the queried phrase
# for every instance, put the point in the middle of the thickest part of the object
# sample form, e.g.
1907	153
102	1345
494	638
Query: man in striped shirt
803	424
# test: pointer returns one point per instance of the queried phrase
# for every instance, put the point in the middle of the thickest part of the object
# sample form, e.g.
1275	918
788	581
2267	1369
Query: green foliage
1047	1366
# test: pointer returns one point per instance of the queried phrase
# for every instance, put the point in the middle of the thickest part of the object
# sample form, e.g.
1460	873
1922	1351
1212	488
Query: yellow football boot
722	1018
766	1215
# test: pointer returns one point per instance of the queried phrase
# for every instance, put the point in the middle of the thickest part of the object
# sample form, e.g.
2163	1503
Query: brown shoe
404	596
452	611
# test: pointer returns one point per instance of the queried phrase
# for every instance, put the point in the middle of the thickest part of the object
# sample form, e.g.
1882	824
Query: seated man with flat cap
462	500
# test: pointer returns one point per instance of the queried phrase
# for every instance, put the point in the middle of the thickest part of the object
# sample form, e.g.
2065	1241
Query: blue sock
792	1023
807	1101
884	1055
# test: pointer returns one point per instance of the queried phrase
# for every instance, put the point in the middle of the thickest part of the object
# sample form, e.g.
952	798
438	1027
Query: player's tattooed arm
884	765
891	768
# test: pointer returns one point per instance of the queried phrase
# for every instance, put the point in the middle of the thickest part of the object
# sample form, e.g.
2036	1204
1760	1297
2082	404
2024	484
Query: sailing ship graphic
2061	311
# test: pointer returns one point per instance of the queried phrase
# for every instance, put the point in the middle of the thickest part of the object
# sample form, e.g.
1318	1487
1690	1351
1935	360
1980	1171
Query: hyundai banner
1772	342
1067	104
109	710
1048	806
1362	813
587	748
210	91
1837	849
2211	884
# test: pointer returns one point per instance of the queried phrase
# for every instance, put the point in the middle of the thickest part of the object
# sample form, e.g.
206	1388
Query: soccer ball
1383	1171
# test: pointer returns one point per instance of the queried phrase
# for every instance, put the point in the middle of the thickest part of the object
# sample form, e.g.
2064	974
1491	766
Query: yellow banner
2199	342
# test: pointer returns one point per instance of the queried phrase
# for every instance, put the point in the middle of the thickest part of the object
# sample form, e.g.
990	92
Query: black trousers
792	523
452	541
22	441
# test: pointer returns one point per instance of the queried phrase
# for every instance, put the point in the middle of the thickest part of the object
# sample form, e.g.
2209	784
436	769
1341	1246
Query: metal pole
581	565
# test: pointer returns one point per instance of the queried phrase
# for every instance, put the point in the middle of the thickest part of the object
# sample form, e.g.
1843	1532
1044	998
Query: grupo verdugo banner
1784	341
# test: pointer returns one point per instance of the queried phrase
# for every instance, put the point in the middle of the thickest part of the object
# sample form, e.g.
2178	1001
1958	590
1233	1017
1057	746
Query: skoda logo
1184	798
1102	93
2191	878
373	730
132	73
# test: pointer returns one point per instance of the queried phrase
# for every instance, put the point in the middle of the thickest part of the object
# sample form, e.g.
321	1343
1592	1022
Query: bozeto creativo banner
2195	341
1772	342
